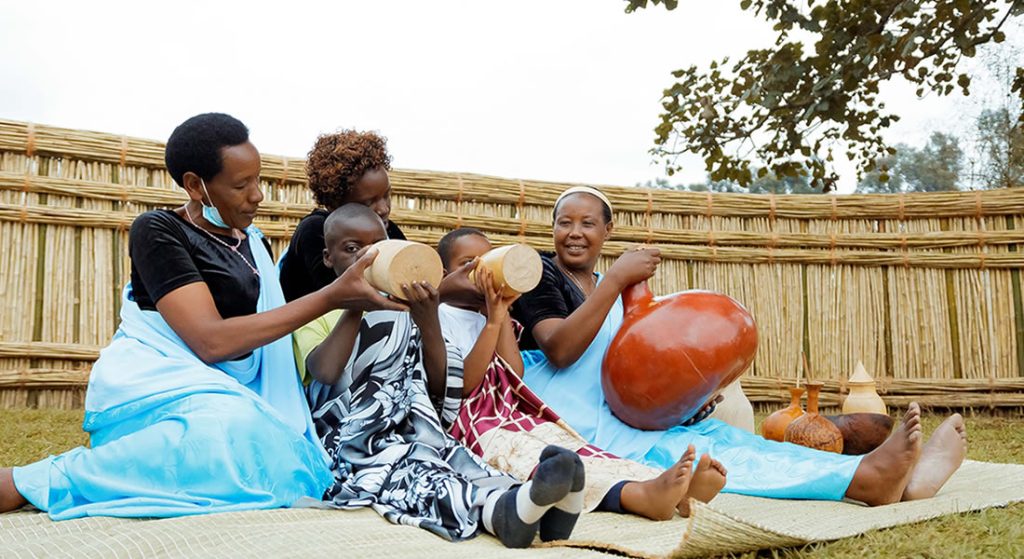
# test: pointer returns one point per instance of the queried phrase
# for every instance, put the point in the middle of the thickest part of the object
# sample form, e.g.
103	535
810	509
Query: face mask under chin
211	213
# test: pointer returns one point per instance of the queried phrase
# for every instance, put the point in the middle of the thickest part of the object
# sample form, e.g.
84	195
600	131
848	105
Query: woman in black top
344	167
573	315
200	377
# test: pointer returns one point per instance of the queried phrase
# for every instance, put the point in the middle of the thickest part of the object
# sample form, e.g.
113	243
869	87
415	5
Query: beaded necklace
572	278
233	249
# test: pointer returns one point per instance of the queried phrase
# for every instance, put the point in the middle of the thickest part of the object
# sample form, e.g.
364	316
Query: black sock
612	500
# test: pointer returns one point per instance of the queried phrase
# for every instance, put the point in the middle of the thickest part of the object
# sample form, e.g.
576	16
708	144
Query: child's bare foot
10	499
883	474
708	481
657	498
941	456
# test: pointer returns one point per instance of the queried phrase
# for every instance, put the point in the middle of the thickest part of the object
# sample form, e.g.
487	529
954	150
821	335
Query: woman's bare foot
657	498
708	481
10	499
941	456
883	474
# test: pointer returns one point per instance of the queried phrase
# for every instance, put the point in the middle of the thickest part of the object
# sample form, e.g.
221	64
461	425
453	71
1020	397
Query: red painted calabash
673	354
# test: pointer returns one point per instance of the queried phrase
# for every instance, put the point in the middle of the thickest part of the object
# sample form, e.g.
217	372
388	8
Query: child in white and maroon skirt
490	410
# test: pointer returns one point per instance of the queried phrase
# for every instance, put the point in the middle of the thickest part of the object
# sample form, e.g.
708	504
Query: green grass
33	434
989	533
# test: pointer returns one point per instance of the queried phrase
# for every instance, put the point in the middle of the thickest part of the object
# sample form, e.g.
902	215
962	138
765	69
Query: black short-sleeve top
302	268
556	296
168	252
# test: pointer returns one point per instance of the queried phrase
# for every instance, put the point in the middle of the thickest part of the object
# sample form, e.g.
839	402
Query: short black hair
444	246
196	143
606	212
347	214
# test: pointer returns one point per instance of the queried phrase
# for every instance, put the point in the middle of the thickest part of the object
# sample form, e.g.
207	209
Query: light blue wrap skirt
172	436
756	466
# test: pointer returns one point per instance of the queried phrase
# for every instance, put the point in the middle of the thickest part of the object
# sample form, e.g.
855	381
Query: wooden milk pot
403	262
516	267
813	430
863	397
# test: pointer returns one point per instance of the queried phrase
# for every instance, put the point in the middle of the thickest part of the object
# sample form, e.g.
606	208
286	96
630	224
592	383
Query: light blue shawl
172	436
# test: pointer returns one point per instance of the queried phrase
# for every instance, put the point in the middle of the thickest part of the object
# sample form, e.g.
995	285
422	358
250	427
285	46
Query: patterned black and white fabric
386	443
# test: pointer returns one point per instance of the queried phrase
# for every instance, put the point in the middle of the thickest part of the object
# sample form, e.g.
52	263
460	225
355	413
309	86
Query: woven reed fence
925	289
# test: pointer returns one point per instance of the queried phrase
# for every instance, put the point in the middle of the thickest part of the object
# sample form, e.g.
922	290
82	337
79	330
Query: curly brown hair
340	159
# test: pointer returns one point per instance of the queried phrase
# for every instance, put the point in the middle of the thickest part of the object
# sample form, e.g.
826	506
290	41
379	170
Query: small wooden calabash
774	426
518	267
813	430
403	262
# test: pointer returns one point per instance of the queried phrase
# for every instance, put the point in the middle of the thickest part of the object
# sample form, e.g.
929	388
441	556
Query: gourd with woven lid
673	354
403	262
863	397
516	267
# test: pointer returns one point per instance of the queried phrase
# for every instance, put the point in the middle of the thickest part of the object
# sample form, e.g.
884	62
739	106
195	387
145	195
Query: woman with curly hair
343	167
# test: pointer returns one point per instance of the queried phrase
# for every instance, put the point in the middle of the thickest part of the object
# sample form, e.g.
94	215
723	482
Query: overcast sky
541	89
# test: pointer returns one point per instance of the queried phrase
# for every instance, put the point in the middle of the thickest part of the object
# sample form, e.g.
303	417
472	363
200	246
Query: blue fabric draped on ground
756	466
172	436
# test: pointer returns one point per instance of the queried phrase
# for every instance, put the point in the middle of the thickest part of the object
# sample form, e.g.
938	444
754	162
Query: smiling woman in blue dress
195	406
570	319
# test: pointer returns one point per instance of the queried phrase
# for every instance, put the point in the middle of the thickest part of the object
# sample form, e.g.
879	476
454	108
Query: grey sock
512	530
559	522
554	476
518	512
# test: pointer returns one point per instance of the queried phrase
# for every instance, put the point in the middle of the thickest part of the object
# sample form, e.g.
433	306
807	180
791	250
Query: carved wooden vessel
403	262
863	397
518	267
813	430
774	426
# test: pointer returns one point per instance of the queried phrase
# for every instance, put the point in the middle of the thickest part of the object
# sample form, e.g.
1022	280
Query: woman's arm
192	314
328	359
563	340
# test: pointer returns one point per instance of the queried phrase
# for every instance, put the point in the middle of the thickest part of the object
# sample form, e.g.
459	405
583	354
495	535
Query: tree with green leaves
785	109
935	167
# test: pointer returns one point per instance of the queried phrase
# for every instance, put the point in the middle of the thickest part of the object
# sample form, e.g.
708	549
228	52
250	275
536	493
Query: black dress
168	252
302	268
556	296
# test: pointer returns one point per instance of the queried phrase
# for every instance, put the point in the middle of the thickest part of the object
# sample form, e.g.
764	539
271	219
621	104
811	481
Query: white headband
586	189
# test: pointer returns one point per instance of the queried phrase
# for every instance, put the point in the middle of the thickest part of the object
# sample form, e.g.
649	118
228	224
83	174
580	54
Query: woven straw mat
731	523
